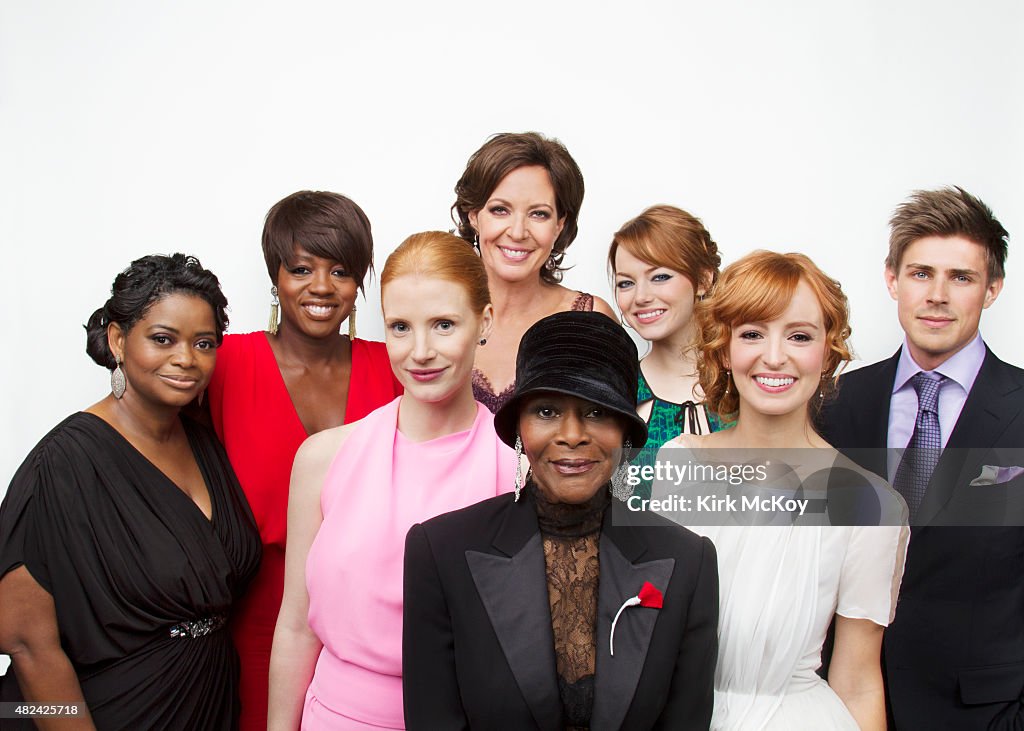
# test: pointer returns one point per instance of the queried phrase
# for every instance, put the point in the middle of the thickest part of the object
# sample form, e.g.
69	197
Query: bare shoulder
604	308
316	453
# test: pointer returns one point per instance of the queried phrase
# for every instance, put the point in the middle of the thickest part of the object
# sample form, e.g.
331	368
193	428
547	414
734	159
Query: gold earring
352	323
728	381
275	304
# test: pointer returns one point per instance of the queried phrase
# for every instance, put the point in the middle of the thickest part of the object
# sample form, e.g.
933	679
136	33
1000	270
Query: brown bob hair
666	236
758	288
498	157
440	255
325	224
947	212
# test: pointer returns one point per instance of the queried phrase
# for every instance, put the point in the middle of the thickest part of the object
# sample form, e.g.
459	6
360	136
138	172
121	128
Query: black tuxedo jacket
478	649
954	656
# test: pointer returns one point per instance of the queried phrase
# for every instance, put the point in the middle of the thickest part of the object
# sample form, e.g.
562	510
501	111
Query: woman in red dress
273	389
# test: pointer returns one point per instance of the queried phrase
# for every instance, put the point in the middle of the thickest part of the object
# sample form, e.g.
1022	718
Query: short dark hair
509	151
325	224
142	285
947	212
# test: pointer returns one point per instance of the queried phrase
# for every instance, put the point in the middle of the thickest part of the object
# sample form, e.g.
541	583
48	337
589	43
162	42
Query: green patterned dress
667	421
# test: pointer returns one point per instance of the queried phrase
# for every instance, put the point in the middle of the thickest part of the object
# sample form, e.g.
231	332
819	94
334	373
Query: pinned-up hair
758	288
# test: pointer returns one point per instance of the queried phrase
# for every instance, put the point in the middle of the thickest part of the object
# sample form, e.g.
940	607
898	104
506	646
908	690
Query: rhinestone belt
199	627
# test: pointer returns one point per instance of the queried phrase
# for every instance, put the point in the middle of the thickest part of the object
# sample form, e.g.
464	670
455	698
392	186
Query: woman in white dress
773	337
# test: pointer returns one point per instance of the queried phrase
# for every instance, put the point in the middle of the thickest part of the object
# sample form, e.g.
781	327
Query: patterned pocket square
996	475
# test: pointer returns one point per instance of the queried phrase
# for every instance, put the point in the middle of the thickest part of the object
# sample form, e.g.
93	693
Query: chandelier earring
621	489
275	306
519	466
118	383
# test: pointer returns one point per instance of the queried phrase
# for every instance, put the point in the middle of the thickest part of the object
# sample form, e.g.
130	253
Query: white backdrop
131	127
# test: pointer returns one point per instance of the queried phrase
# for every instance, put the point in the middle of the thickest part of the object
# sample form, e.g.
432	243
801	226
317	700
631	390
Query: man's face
941	287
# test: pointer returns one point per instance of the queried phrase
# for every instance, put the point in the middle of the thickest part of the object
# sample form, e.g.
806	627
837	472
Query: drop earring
118	383
352	323
728	381
275	305
519	466
621	489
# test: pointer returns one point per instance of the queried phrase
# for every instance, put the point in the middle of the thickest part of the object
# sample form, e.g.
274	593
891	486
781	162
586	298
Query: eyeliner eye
750	335
661	277
497	210
624	284
161	339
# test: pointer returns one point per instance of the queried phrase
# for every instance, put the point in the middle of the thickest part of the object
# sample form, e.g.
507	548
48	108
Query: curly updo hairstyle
666	236
498	157
758	288
140	286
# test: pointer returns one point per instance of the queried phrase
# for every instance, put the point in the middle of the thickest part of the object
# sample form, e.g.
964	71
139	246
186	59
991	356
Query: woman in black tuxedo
548	609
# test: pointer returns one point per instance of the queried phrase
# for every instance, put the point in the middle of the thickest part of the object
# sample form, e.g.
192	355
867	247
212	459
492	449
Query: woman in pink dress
356	490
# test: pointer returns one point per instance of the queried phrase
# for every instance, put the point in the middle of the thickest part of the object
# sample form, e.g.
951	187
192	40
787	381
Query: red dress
255	419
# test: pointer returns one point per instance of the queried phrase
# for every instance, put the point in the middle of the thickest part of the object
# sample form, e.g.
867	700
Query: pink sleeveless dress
379	485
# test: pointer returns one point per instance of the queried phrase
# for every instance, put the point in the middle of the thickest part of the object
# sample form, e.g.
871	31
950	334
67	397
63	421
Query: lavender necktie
925	445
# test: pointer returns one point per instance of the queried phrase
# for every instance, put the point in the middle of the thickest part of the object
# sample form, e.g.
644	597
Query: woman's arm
856	671
429	680
296	648
691	696
29	634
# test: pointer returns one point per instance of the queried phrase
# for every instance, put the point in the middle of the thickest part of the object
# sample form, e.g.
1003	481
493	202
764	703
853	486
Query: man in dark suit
954	656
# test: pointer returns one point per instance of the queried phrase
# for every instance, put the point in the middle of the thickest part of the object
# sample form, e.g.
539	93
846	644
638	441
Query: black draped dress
141	581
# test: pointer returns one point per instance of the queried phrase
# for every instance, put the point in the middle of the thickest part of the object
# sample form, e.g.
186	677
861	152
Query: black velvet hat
582	354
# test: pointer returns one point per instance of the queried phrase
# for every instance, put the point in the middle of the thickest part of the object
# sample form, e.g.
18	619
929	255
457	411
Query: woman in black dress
124	537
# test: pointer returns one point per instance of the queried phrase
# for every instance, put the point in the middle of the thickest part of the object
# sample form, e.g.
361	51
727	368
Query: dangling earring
476	242
621	489
550	264
352	323
199	398
519	466
118	382
275	304
821	387
728	380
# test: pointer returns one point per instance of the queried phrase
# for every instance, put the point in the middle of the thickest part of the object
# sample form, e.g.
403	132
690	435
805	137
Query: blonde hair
758	288
440	255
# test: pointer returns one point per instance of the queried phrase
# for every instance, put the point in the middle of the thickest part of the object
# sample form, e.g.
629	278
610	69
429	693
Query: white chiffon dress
780	587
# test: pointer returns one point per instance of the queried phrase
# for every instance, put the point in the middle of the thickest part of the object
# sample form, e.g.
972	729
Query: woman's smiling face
777	365
519	224
573	445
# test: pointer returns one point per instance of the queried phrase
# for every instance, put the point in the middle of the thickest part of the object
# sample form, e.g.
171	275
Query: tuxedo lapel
865	437
513	588
616	677
994	402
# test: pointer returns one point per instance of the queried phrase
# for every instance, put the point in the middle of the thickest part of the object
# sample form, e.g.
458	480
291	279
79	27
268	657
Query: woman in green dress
662	262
